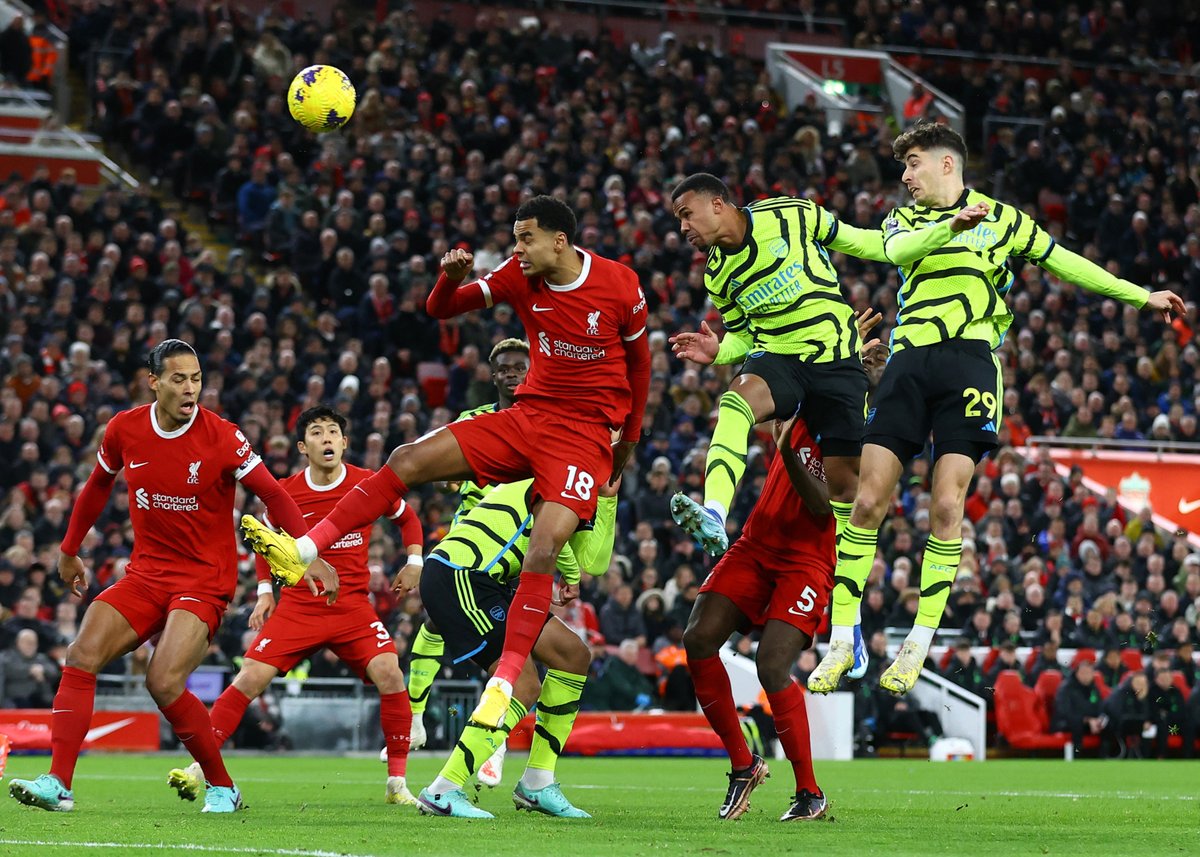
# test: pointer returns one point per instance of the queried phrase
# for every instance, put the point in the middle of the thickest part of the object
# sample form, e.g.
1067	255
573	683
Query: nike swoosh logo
537	308
100	731
61	710
135	465
532	609
188	598
794	612
1188	508
309	514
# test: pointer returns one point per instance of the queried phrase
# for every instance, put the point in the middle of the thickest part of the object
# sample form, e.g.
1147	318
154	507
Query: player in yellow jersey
769	275
943	378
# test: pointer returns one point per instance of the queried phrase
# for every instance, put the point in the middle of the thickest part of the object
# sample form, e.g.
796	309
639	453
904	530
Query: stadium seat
1046	689
1082	655
1132	659
1018	720
1181	683
1032	659
989	660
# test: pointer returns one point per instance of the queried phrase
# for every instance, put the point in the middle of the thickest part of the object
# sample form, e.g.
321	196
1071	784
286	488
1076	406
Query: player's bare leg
714	617
104	636
181	648
879	472
747	401
434	457
553	524
780	646
395	717
952	474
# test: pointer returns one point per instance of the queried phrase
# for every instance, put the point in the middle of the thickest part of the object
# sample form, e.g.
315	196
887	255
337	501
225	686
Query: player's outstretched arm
903	247
446	298
1074	268
637	370
91	502
813	492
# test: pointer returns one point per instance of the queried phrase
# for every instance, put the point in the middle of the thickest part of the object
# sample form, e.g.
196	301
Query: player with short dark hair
776	577
303	624
182	465
590	373
943	378
769	274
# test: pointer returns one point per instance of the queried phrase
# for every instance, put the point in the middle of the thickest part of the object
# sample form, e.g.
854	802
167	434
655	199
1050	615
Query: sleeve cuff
265	587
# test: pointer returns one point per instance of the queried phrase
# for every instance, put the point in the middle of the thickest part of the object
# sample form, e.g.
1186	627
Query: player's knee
81	658
870	505
164	686
391	681
774	671
540	558
946	513
402	463
700	642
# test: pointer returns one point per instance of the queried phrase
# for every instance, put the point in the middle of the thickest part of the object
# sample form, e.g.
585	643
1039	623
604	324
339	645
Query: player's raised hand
781	430
1165	302
969	217
867	320
610	488
699	347
324	573
407	579
263	608
458	263
72	572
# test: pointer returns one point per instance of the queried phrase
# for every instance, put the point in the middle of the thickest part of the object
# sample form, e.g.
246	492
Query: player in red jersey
182	464
585	317
778	577
303	623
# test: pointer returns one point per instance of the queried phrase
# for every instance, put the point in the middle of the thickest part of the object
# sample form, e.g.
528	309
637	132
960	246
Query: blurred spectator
1129	715
1077	705
964	671
618	684
16	52
28	678
620	618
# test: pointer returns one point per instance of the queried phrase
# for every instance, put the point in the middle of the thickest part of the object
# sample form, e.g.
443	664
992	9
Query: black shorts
831	397
468	608
954	389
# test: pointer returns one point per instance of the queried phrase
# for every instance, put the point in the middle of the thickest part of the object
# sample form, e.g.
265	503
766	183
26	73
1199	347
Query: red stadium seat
989	660
1181	683
1045	690
1132	659
1022	719
1032	659
1082	655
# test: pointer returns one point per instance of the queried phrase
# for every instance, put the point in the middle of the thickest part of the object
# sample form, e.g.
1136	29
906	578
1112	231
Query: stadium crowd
337	241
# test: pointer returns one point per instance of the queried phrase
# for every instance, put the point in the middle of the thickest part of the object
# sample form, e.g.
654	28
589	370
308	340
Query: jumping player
182	464
943	378
303	624
769	275
777	577
589	376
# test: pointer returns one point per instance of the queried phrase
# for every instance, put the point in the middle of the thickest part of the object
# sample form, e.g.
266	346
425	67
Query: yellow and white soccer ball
321	98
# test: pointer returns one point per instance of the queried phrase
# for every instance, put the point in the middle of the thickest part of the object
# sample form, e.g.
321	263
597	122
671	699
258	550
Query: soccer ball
321	98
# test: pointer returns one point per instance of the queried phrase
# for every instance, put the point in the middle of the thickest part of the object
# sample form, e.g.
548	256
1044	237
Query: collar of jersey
335	483
171	435
749	235
578	281
954	206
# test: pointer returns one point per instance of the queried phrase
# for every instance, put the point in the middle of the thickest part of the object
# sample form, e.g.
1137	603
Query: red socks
227	713
189	718
69	721
716	701
791	725
367	501
395	716
526	617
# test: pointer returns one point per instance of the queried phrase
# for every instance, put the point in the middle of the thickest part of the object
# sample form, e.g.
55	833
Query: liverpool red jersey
780	521
348	555
577	334
181	492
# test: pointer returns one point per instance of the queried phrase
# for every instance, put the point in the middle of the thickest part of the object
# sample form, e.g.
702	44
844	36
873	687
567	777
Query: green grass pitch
309	806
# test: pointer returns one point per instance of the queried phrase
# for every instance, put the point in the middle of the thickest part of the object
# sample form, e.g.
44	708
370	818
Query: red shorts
767	585
352	631
567	458
145	604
